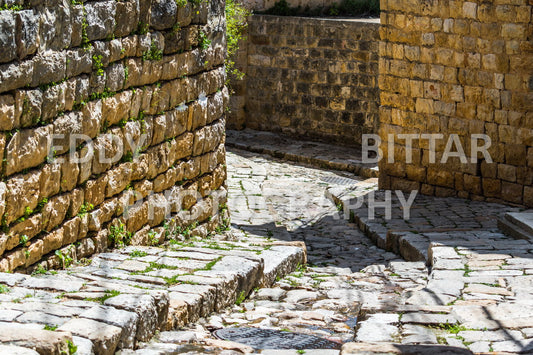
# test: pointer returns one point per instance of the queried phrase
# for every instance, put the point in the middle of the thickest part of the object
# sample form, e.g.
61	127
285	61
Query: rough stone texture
71	73
104	337
134	306
459	68
43	341
308	77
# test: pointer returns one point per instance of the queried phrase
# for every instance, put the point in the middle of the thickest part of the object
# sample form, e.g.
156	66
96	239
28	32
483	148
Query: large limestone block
100	19
104	337
27	148
119	318
22	195
146	309
7	36
43	341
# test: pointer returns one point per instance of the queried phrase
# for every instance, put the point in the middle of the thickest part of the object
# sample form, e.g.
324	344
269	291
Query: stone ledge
316	154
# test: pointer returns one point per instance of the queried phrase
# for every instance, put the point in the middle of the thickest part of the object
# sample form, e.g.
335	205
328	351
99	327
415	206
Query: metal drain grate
274	339
338	180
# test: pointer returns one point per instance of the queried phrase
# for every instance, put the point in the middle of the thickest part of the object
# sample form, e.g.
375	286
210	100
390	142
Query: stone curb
319	156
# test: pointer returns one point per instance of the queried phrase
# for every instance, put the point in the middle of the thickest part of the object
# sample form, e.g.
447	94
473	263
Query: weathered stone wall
458	67
144	80
309	77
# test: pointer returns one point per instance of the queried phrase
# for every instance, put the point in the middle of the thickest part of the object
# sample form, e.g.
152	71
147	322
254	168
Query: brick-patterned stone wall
309	77
458	67
149	72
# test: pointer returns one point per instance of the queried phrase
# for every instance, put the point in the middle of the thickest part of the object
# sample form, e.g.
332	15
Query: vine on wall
236	24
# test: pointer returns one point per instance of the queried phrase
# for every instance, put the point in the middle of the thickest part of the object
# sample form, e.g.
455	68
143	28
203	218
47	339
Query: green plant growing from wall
119	236
98	66
203	41
236	25
154	53
11	7
153	237
64	258
85	208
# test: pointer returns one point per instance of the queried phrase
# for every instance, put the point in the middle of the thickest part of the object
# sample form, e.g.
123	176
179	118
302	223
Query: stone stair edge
356	168
285	262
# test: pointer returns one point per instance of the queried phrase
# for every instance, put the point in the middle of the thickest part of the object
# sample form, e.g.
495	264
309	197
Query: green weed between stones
85	208
108	294
240	299
72	349
119	236
154	53
203	41
138	253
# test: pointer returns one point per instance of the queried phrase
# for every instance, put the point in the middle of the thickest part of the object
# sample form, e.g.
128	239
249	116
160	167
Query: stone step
317	154
518	225
112	304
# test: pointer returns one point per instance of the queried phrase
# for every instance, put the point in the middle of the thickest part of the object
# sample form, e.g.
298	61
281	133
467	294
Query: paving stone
426	318
449	287
125	320
528	332
385	348
496	335
298	296
490	290
145	308
207	294
11	279
226	287
60	284
16	350
414	334
42	318
177	337
273	294
387	318
84	346
104	337
513	346
133	265
480	347
426	297
8	315
42	341
376	332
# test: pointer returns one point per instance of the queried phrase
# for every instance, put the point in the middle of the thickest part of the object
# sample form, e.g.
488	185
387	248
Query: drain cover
274	339
338	180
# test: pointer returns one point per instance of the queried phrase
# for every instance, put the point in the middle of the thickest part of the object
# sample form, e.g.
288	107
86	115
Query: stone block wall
458	68
309	77
143	82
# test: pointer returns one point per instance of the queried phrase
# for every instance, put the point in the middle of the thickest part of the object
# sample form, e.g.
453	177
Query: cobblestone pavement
461	286
471	293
